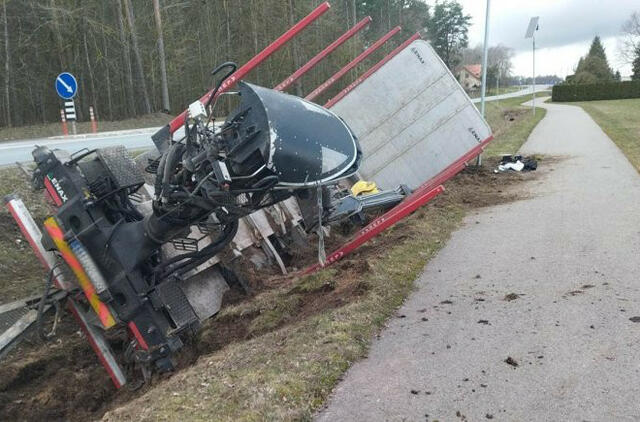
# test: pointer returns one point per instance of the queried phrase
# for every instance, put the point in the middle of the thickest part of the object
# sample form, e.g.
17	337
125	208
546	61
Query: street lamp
531	33
484	67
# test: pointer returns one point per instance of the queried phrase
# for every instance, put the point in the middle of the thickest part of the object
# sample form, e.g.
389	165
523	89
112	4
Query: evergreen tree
597	49
448	31
635	66
593	67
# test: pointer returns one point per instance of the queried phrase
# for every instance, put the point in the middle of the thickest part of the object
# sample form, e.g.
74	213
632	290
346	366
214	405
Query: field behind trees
114	49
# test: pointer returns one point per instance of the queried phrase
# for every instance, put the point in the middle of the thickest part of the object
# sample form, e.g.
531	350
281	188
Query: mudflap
98	344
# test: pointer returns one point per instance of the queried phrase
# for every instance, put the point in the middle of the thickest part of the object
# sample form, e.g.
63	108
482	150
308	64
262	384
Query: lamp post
531	33
484	68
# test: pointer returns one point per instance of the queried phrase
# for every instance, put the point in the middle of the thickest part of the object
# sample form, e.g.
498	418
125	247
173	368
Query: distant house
470	76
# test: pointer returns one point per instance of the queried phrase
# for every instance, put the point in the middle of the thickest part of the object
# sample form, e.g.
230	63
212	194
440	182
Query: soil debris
511	296
511	361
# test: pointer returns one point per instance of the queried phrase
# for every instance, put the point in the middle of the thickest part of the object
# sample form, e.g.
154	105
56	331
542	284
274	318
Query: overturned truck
149	246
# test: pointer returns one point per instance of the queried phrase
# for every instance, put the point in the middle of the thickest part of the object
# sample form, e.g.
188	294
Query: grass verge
494	91
511	123
277	355
620	120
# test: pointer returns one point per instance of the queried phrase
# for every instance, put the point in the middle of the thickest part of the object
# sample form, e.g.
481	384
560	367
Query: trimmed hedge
600	91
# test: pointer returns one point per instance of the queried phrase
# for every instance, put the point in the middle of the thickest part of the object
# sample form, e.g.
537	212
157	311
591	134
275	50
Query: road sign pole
70	114
531	33
534	76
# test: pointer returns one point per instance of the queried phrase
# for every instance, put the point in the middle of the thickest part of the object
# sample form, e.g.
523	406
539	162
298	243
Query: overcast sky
566	30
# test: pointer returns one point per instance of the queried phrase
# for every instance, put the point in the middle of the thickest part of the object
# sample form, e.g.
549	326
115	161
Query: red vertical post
63	119
371	71
339	74
250	65
94	124
321	55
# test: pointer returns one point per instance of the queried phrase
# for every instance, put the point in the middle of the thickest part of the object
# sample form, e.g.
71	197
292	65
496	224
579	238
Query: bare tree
6	63
163	62
294	48
94	99
630	41
136	52
126	58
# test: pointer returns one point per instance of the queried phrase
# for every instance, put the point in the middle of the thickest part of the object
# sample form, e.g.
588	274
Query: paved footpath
572	251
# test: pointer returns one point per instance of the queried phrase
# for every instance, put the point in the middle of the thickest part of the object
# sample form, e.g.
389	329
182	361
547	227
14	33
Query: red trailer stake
321	55
388	219
371	71
177	122
339	74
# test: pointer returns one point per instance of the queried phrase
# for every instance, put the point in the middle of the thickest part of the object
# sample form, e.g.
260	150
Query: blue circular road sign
66	85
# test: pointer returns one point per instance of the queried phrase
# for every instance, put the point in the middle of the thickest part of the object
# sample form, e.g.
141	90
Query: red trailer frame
321	55
339	74
380	224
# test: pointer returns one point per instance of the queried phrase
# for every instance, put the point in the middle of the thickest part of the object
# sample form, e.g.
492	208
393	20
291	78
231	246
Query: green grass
620	120
509	135
55	129
494	91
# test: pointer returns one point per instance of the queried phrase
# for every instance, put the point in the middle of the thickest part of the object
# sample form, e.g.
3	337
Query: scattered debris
446	302
511	296
511	361
414	392
488	416
635	319
516	163
483	321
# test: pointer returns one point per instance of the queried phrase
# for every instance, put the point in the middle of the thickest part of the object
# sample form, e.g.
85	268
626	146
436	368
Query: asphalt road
571	252
13	151
520	93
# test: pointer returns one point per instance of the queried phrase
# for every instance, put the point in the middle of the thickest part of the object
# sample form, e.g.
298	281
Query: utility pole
534	76
485	48
531	33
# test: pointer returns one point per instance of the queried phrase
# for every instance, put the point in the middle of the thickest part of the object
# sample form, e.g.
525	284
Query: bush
599	91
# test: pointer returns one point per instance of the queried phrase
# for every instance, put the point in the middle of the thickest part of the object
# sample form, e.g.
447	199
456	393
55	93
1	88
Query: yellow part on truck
363	187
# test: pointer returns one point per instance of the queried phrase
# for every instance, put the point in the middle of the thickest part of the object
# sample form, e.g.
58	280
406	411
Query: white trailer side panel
412	118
